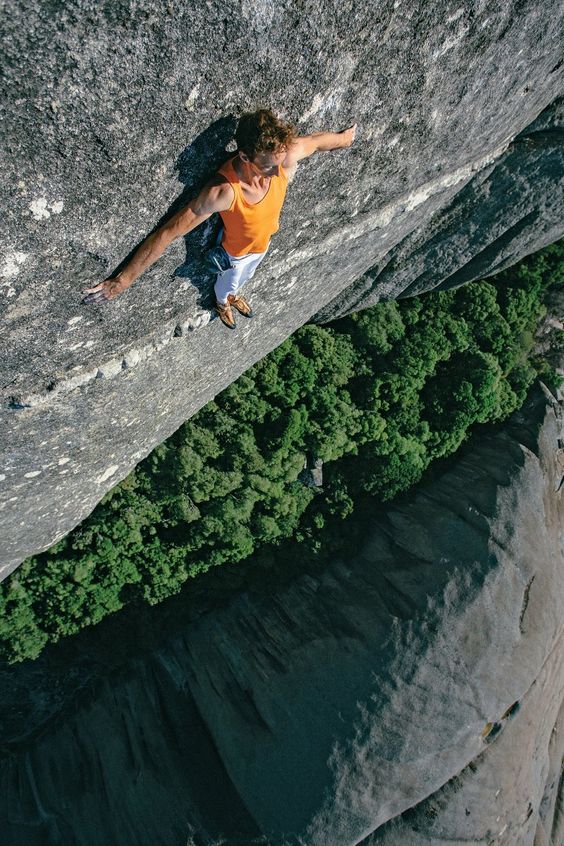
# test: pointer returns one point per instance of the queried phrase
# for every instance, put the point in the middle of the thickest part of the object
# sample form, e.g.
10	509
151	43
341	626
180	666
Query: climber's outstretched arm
306	145
216	196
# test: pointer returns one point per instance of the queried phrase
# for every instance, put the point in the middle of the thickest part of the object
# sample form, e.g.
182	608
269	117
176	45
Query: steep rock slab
511	207
398	679
510	794
103	99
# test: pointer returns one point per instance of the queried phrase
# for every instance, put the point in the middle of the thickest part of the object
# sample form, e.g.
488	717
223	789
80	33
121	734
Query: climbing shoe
242	306
225	314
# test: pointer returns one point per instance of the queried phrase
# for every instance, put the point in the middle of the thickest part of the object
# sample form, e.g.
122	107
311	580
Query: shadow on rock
196	165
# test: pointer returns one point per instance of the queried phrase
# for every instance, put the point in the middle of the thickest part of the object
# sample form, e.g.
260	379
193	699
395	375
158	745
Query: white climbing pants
230	281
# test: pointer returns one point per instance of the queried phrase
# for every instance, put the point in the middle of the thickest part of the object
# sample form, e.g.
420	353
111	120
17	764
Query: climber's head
262	141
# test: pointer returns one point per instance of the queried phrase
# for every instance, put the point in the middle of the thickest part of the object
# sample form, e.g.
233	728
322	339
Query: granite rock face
511	207
411	694
118	111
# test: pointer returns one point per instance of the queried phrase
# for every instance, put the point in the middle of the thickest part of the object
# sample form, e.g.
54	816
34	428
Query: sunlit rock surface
407	695
116	112
511	207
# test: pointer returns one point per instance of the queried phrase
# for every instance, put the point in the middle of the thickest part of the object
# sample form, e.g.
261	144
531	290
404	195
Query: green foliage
377	396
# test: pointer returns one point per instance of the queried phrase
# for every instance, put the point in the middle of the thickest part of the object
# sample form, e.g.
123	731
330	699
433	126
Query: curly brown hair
263	132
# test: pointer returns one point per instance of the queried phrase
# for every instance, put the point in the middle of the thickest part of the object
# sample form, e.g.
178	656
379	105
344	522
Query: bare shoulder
216	196
297	150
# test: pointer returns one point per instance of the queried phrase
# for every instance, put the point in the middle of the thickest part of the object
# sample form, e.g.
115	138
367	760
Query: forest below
376	396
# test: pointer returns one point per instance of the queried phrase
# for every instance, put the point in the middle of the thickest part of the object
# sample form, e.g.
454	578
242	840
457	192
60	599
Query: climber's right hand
105	291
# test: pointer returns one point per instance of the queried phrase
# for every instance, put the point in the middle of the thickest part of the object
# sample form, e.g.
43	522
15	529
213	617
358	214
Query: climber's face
265	164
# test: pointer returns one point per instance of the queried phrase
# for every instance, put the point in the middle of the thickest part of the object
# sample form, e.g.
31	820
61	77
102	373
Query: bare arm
306	145
216	196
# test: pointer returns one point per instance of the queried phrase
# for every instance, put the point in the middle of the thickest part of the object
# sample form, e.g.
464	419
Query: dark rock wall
407	695
117	111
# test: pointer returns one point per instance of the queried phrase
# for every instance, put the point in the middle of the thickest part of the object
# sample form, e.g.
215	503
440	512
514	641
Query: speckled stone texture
117	111
408	695
511	207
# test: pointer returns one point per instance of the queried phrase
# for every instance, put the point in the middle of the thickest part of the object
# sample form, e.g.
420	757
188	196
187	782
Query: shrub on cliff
377	396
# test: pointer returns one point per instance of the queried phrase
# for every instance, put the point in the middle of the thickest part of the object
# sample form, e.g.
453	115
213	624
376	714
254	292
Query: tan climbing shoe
225	314
241	304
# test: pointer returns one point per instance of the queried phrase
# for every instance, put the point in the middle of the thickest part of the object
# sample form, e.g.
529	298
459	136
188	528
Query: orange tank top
249	226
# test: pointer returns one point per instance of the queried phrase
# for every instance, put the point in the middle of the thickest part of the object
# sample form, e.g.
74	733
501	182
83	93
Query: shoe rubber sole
225	323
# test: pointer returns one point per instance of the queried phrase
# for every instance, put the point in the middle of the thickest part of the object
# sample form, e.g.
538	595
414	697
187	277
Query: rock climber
247	192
